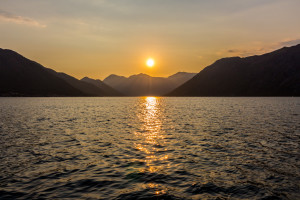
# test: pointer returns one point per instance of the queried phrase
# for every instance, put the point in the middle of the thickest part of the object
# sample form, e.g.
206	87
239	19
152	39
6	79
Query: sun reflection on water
151	139
151	136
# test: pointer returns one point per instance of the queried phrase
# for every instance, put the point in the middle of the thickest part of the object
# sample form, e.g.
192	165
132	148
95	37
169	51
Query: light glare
150	62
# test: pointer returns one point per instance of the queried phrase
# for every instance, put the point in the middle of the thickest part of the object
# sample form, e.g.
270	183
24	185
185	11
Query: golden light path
152	140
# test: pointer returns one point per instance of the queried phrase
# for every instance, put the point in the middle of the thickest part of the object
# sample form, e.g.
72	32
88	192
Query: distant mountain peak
182	74
114	76
140	75
143	84
87	78
100	84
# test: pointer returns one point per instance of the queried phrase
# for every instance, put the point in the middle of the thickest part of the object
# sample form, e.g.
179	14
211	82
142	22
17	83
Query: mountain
145	85
272	74
20	76
98	83
180	77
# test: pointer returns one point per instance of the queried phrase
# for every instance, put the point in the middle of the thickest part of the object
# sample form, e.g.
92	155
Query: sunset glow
100	38
150	62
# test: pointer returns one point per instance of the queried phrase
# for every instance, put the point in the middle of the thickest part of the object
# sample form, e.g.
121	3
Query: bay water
150	148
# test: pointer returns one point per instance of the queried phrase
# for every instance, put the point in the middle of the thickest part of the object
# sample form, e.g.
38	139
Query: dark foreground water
150	148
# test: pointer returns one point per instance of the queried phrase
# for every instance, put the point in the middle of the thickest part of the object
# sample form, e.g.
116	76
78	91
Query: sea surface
150	148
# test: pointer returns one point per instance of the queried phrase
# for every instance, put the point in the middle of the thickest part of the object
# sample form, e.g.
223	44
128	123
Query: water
150	148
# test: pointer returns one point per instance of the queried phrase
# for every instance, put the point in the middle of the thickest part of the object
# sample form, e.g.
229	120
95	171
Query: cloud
260	48
9	17
290	42
247	51
236	52
232	51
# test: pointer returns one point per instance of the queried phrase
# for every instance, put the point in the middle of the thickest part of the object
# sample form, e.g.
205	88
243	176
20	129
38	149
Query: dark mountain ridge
20	76
273	74
98	83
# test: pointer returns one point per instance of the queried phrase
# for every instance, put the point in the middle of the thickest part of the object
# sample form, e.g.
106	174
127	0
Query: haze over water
149	148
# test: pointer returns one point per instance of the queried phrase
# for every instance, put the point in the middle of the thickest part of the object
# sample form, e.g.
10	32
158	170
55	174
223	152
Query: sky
96	38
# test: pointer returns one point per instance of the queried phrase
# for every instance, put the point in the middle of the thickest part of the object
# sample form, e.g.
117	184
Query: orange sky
97	38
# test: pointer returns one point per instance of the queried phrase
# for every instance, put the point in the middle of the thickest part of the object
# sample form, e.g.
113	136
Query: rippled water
150	148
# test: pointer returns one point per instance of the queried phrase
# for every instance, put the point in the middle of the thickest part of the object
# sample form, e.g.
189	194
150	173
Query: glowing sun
150	62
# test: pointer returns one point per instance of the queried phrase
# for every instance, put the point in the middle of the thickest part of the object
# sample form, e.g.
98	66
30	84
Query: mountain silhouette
20	76
180	77
104	87
272	74
145	85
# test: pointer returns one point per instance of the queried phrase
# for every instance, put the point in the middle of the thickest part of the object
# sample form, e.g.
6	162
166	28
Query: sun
150	62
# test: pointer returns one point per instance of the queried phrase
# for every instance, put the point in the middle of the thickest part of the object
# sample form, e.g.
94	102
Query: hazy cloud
9	17
290	42
259	49
232	51
248	51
